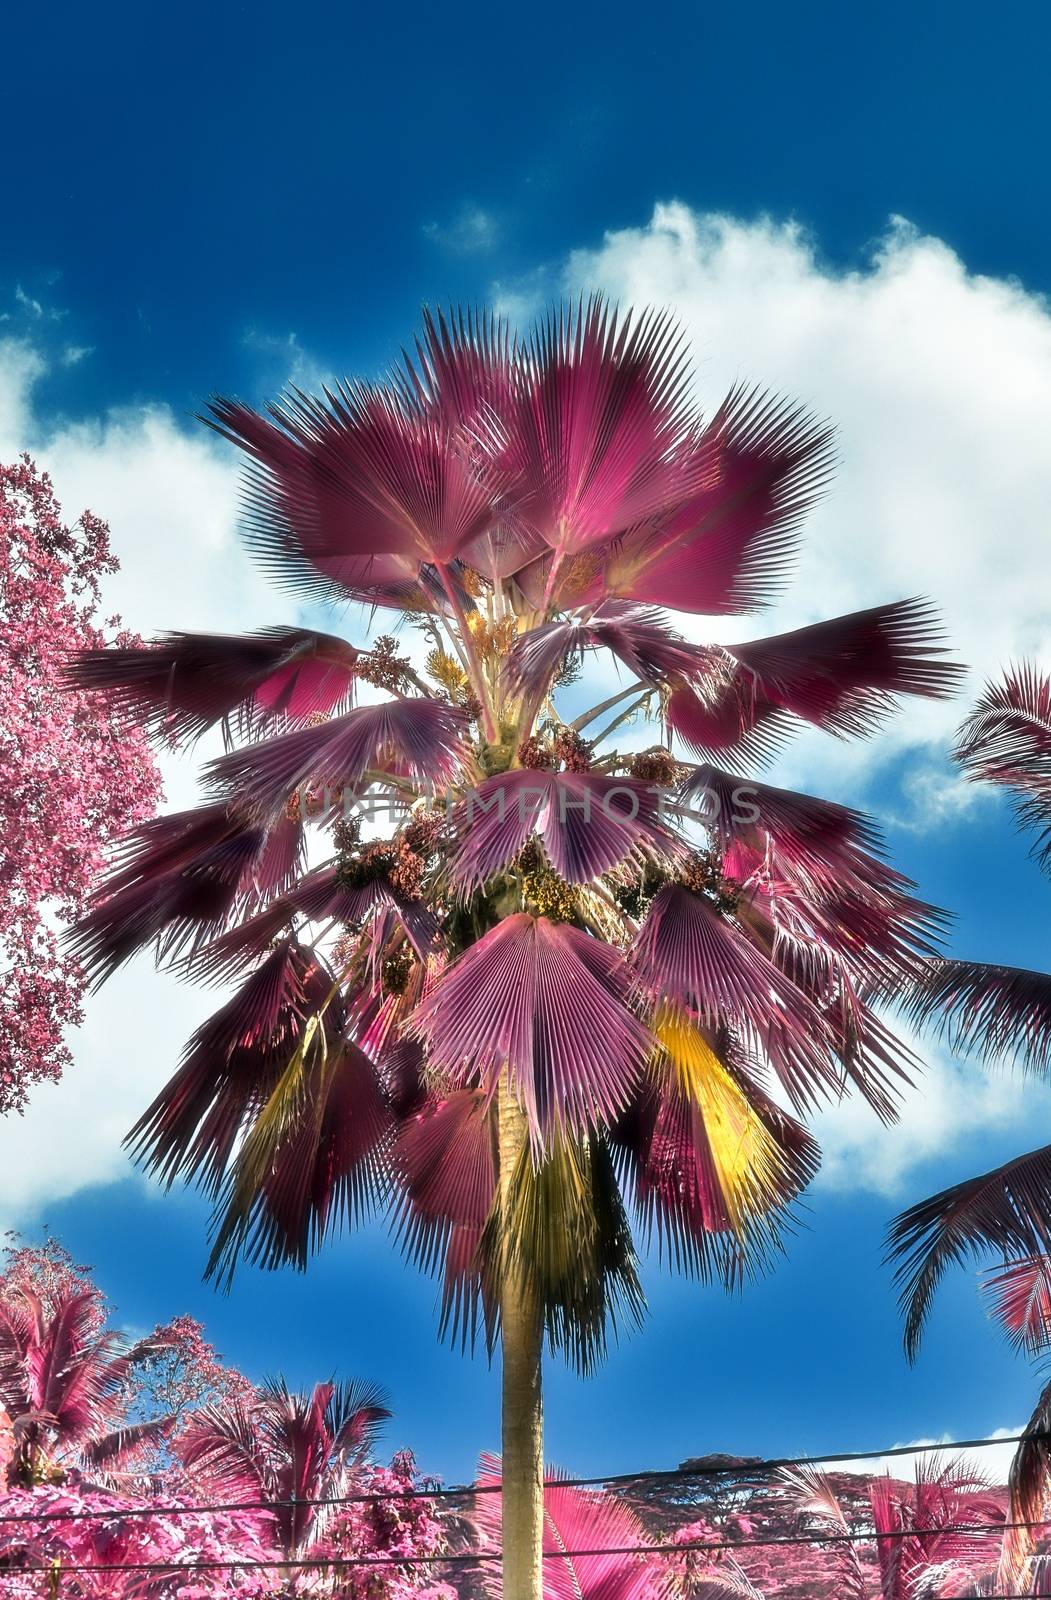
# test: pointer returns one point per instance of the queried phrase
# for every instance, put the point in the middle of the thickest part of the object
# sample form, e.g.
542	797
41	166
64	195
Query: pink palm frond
639	636
119	1449
327	1169
418	737
579	1519
844	676
181	684
802	825
461	367
713	1191
597	411
178	878
1019	1295
950	1523
222	1446
63	1379
447	1164
355	491
588	824
289	1447
717	715
760	464
545	1004
686	951
232	1061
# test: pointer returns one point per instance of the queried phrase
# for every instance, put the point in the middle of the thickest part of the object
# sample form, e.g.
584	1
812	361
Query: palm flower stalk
559	983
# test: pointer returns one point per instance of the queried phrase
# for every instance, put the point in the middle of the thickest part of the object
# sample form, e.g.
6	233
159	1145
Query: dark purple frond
1029	1482
843	674
354	1417
639	636
177	880
1007	1211
447	1165
119	1448
988	1009
229	1067
688	953
354	491
1007	740
716	715
420	737
327	1164
184	683
588	824
714	1164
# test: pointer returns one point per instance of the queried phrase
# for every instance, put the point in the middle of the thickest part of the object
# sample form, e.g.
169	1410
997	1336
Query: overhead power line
740	1468
460	1557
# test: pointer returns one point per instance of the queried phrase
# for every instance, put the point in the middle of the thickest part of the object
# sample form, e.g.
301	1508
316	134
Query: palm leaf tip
182	684
1006	1211
987	1008
1006	740
1019	1296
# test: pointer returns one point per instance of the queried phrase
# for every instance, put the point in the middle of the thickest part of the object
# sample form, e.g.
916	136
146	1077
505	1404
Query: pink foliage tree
99	1438
76	771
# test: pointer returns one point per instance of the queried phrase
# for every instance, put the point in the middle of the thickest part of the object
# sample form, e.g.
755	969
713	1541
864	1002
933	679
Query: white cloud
472	231
284	360
20	367
940	383
70	1136
950	1102
35	309
991	1462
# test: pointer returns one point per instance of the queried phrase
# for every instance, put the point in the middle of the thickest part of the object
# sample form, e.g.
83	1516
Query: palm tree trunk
522	1332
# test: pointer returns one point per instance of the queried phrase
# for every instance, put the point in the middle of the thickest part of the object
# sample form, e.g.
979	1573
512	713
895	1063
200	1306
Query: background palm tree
558	979
997	1011
941	1534
287	1449
64	1384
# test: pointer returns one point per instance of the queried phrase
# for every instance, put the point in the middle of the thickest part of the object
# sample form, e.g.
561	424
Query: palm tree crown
64	1384
286	1449
563	981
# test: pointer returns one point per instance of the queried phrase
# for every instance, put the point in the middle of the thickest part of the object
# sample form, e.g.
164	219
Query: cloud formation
939	381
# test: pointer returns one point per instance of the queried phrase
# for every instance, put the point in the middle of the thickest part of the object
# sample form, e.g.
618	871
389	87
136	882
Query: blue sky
230	196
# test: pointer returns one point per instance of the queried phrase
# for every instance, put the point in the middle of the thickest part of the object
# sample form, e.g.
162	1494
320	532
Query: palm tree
64	1384
997	1011
930	1535
286	1449
556	978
